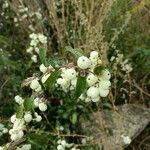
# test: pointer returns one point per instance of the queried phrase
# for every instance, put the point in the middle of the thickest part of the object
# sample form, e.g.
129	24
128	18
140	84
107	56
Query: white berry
60	147
105	75
38	89
43	69
94	54
91	79
13	118
93	92
34	84
83	62
70	74
95	99
42	106
103	93
13	137
27	117
38	118
45	77
19	100
105	84
20	134
36	102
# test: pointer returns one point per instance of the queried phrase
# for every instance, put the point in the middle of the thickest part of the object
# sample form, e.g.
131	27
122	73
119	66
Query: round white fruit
91	79
70	74
34	84
45	77
103	93
93	92
83	62
105	75
27	117
43	69
95	99
104	84
42	106
94	54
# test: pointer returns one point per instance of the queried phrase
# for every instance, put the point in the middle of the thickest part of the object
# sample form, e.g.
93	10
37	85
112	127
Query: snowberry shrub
59	95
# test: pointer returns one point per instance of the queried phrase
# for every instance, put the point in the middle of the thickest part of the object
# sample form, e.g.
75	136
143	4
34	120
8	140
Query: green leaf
81	86
106	104
98	70
19	111
74	118
38	141
77	52
52	78
42	55
4	40
29	104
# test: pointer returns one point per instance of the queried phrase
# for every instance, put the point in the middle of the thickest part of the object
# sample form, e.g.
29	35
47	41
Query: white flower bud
43	68
34	84
105	84
42	106
93	92
94	54
91	79
83	62
27	117
45	77
70	73
103	93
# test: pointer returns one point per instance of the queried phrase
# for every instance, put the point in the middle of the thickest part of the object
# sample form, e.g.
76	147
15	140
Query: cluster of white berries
35	85
62	145
68	79
36	41
126	139
3	129
19	100
19	123
98	85
18	126
25	147
24	13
